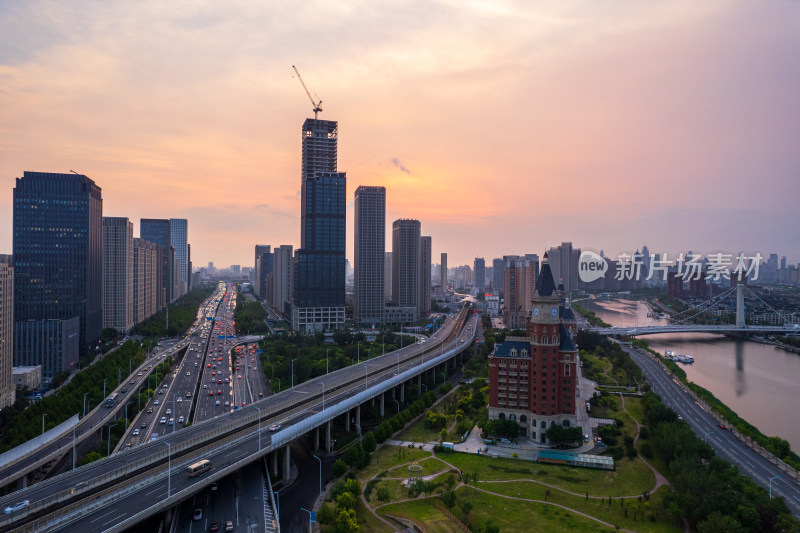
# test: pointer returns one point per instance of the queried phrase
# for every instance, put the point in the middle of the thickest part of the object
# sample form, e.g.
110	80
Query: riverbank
777	446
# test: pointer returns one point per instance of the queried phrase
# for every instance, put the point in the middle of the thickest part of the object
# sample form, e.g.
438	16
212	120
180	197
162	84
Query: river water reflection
758	381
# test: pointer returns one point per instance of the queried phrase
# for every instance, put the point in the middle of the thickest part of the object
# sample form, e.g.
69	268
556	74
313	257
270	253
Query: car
139	374
171	421
144	425
229	525
124	390
217	402
161	391
213	527
205	386
239	376
208	365
17	506
163	420
219	382
261	394
680	417
275	427
132	382
179	399
211	393
154	403
188	373
169	411
227	403
180	419
198	514
219	392
214	373
136	432
195	364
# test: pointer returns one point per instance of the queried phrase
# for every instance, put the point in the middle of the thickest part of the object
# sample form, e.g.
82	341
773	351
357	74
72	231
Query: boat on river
672	356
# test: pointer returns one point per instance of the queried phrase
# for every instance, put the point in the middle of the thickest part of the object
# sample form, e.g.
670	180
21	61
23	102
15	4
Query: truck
153	437
448	445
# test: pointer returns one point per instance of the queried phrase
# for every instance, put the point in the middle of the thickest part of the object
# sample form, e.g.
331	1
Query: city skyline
671	125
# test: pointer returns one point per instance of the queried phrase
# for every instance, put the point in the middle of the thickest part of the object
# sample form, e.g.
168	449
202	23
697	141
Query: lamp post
108	451
770	485
326	359
126	414
398	362
259	426
398	404
320	473
323	398
358	353
279	384
707	433
426	387
73	447
44	415
360	433
84	403
104	387
366	370
277	504
293	360
169	468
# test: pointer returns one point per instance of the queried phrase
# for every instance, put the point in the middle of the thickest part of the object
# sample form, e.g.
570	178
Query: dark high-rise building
320	262
58	259
425	251
320	146
118	274
480	274
263	267
179	240
157	231
7	389
405	263
497	275
369	254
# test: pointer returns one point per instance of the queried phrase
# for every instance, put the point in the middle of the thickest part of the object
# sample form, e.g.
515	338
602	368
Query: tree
345	501
719	523
369	443
339	468
346	521
442	435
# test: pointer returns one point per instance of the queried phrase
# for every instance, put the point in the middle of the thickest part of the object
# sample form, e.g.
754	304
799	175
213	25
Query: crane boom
317	106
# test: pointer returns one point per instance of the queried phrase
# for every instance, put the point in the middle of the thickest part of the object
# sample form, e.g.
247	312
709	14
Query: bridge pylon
740	304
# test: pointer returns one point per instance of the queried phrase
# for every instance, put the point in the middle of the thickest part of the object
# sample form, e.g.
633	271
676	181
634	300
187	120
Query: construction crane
317	105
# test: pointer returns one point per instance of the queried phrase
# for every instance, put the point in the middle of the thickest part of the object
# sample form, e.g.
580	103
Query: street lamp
320	473
84	403
326	359
770	485
277	505
383	344
707	433
398	404
44	415
398	362
104	387
259	426
293	360
108	452
358	353
323	398
426	387
360	434
169	468
366	370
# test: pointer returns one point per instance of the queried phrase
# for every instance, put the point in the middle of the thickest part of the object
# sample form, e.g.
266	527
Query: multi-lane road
724	442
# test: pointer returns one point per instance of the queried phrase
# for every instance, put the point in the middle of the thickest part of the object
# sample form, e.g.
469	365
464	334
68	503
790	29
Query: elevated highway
118	492
694	328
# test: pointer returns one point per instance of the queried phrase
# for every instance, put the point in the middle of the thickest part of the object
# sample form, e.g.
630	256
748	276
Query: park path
660	479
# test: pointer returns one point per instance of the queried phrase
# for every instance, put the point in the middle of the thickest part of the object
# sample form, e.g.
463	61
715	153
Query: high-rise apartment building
58	262
157	231
479	270
283	279
179	240
443	272
519	282
148	263
387	277
118	274
7	388
497	274
319	264
564	265
369	253
263	267
425	262
405	264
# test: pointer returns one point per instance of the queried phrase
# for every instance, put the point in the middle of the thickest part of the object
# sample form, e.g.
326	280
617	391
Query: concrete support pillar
275	463
403	392
419	381
372	402
347	421
358	415
22	482
287	462
382	395
316	439
328	447
740	305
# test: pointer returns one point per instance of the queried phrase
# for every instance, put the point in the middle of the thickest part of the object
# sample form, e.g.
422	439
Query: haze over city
672	124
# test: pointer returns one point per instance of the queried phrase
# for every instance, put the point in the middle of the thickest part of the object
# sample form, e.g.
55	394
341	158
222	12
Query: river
759	382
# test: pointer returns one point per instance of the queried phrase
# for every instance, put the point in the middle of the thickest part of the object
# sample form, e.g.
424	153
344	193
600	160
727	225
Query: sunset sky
504	127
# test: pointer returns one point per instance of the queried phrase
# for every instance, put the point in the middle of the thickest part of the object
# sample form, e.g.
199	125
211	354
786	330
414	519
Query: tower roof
545	285
567	344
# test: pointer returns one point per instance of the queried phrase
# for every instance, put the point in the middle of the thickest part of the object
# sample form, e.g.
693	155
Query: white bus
198	468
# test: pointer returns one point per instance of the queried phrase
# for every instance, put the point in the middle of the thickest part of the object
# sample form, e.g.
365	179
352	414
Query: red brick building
532	380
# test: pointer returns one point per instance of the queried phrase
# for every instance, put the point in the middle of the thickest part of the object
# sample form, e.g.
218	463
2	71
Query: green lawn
396	491
635	407
631	477
429	466
638	515
424	512
514	515
388	456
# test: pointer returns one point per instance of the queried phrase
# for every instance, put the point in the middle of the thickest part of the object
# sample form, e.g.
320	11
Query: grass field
424	512
391	456
632	477
429	466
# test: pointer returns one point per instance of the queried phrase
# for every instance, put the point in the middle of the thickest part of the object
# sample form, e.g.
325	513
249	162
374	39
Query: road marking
103	516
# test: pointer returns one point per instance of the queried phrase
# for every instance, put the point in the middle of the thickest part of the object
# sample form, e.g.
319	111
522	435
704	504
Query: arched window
501	416
543	424
523	419
512	417
565	423
555	339
513	352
